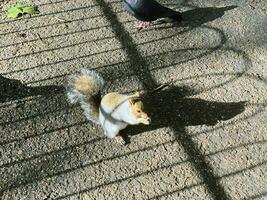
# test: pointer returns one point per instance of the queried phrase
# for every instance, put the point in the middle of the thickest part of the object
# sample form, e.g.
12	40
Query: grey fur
90	108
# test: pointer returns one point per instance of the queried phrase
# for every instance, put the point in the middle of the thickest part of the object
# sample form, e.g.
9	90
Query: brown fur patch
118	138
113	100
86	85
137	108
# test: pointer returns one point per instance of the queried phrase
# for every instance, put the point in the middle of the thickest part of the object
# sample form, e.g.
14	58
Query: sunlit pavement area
208	134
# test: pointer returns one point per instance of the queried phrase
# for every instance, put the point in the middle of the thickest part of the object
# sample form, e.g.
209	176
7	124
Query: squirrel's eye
139	111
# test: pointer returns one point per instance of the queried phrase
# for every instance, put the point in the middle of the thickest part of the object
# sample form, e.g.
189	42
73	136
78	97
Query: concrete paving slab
209	130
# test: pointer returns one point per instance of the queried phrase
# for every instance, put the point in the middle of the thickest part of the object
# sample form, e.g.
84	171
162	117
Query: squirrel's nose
149	120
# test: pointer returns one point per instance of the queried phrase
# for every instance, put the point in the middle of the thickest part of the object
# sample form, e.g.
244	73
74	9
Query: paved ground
209	131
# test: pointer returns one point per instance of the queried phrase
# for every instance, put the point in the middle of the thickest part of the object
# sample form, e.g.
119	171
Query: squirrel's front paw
120	140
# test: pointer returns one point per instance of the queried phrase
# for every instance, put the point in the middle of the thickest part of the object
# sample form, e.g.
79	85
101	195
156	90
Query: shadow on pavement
171	107
168	108
140	67
199	16
12	89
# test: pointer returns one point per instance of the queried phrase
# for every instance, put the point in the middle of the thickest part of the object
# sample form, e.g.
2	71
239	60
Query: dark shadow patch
163	100
171	108
199	16
12	89
140	67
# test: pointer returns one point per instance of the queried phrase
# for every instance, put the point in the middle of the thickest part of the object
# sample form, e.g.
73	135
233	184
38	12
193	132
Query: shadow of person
12	89
172	108
199	16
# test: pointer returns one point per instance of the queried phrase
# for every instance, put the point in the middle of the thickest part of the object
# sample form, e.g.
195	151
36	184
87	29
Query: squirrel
113	112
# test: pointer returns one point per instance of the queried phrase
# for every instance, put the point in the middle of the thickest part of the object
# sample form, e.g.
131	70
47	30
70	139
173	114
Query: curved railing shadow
169	107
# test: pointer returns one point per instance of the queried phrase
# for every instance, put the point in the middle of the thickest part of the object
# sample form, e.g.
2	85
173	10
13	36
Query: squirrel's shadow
12	89
172	108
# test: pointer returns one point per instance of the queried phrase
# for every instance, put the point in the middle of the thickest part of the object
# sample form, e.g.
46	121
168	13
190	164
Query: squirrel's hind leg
116	136
120	139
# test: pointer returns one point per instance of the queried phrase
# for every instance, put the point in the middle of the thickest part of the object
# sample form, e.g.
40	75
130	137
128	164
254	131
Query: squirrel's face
137	111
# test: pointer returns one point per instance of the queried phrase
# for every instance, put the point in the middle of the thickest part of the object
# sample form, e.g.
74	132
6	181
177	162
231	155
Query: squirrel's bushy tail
85	88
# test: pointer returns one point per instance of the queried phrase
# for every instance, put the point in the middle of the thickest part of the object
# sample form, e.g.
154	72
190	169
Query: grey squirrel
113	112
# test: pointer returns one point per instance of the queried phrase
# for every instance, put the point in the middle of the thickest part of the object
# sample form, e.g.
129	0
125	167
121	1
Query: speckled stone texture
208	134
